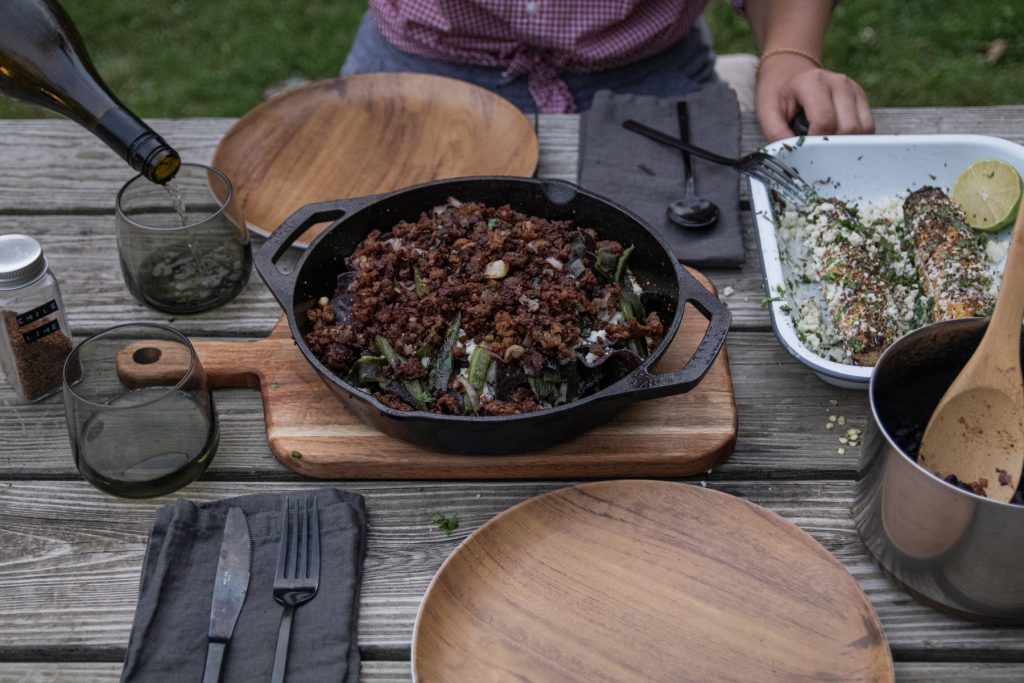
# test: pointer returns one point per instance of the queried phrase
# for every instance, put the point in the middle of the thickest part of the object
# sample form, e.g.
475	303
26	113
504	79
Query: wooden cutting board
312	433
645	581
366	134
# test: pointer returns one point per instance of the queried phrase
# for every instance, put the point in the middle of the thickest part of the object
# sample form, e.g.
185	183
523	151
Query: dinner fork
758	165
298	569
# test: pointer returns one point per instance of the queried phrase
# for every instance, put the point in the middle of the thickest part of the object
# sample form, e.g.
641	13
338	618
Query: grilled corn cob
951	260
868	287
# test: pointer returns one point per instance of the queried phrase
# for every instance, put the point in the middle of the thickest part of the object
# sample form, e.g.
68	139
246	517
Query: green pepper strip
605	262
367	370
621	267
571	377
544	391
547	387
479	364
443	364
420	396
417	283
632	309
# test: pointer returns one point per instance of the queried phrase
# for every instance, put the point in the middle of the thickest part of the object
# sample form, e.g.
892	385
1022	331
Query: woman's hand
833	102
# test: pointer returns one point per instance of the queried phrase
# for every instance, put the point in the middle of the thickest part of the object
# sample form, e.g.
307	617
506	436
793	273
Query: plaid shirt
537	38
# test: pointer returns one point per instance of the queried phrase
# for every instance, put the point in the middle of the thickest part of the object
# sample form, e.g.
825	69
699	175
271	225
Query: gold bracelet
788	51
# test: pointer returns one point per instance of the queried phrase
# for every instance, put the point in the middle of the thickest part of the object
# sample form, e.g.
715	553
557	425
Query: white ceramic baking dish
861	168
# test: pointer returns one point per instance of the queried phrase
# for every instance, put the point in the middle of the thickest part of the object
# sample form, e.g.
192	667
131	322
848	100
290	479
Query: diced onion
496	270
514	352
531	304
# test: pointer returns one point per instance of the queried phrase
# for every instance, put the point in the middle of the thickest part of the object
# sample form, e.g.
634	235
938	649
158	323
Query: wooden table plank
69	582
775	397
54	166
398	672
98	672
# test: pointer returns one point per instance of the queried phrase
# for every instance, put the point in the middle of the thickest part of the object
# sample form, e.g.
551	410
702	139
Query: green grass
913	53
173	58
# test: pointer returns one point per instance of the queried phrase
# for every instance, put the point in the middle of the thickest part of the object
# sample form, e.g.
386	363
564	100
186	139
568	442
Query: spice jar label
37	313
41	331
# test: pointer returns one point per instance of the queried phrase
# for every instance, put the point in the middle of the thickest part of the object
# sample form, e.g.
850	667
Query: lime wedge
989	192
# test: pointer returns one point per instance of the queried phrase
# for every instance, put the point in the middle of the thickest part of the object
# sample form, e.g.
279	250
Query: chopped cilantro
297	455
444	523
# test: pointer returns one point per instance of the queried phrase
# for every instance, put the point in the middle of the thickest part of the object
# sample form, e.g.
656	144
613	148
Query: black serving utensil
692	211
758	165
233	569
799	123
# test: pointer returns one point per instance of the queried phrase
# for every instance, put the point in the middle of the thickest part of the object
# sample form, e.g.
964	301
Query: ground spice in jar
34	335
37	352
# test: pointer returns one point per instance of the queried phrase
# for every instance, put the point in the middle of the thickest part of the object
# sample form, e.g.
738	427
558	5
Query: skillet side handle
265	260
644	385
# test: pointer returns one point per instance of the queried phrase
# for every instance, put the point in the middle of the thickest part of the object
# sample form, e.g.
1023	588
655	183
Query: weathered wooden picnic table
70	556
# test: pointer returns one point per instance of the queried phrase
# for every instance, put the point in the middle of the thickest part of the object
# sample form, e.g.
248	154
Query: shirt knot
549	91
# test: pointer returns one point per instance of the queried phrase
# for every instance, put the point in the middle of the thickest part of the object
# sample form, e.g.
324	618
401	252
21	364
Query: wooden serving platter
645	581
312	433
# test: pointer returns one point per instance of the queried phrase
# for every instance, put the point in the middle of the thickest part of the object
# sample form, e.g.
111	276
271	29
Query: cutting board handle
226	364
282	285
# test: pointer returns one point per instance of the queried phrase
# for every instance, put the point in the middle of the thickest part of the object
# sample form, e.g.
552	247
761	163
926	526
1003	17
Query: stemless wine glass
139	410
183	246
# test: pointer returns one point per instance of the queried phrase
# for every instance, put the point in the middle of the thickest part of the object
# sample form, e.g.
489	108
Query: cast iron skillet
665	283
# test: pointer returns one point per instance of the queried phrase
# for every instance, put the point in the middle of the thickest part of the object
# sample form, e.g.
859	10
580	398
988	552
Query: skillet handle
644	385
282	285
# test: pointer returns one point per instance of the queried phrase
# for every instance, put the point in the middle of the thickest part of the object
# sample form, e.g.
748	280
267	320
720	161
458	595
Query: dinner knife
233	569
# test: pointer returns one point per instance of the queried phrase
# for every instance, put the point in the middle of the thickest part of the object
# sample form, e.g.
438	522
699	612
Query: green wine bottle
44	62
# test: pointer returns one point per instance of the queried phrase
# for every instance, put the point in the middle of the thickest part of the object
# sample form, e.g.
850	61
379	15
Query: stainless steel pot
953	550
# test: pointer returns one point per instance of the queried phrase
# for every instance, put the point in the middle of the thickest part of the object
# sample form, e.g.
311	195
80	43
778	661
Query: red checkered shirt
537	38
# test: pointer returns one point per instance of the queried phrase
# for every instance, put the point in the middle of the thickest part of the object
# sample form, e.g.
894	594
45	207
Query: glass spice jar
34	335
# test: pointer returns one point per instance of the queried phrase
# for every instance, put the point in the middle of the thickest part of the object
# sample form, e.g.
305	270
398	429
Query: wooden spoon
977	430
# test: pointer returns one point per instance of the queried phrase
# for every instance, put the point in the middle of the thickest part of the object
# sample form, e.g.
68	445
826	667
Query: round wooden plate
366	134
644	581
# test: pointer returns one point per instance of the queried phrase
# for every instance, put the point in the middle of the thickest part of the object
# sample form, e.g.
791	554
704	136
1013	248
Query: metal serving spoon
692	211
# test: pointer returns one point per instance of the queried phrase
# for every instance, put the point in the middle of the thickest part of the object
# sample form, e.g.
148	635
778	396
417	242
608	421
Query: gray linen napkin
168	641
645	176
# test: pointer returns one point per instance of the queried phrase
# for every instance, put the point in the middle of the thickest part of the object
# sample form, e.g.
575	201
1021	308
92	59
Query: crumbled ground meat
525	288
979	486
392	401
1004	477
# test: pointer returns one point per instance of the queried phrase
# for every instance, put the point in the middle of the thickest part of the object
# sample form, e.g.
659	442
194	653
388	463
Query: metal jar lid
21	261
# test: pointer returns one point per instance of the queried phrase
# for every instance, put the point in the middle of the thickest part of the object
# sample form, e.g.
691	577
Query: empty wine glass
139	410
